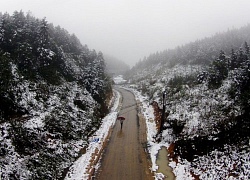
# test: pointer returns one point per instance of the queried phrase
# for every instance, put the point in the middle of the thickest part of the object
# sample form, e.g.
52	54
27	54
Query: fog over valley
130	30
124	89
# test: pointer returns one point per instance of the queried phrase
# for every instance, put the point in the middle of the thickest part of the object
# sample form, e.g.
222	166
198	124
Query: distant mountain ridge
199	52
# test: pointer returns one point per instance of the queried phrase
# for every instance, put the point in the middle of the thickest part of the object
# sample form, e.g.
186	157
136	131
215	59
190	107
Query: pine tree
44	32
7	33
247	48
39	62
233	63
218	71
241	57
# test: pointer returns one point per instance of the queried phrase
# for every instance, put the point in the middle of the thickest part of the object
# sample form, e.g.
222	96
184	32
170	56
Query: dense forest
200	52
206	84
53	93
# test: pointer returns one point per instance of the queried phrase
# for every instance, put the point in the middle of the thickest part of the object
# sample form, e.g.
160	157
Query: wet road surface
124	158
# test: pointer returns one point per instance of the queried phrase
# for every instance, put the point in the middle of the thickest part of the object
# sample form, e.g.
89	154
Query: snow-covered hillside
54	93
206	116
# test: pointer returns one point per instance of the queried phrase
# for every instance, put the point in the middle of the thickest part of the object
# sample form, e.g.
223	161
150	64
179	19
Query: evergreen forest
203	88
54	92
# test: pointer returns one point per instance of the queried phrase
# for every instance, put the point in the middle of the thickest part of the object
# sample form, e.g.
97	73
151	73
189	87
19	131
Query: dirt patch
196	177
157	114
171	153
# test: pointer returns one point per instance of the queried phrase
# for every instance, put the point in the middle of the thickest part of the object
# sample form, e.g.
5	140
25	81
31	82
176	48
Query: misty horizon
132	30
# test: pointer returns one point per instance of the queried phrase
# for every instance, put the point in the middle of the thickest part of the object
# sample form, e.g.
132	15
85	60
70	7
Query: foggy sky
132	29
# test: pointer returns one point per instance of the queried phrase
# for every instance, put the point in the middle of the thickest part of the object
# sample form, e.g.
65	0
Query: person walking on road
121	119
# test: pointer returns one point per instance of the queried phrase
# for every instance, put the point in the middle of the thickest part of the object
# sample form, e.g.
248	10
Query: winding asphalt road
124	158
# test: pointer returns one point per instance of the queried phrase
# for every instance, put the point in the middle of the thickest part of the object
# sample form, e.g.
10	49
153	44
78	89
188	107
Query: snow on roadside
230	162
148	113
180	170
78	171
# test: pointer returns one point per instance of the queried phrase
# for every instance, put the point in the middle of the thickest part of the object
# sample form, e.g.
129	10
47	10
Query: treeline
235	67
232	70
42	52
200	52
209	78
53	94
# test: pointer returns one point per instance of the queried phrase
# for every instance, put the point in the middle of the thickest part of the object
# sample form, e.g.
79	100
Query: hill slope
206	85
200	52
53	93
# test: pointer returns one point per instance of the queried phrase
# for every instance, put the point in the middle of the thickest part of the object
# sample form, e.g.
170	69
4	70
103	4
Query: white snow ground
192	107
119	80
